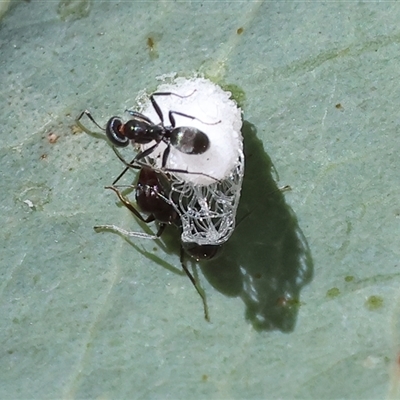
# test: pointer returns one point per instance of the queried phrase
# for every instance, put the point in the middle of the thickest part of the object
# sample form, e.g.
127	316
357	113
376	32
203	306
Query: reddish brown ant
152	199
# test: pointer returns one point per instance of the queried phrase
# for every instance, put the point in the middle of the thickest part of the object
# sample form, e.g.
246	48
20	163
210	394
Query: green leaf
88	315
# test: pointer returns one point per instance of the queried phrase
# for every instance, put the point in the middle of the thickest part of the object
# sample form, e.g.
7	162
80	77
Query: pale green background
86	315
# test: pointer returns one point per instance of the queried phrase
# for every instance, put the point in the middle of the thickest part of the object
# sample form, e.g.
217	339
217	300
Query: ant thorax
207	195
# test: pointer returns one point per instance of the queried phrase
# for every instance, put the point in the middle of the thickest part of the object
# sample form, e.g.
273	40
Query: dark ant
151	199
141	130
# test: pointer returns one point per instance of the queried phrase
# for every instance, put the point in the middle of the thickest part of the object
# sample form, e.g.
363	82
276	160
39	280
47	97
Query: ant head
135	130
190	140
202	251
115	132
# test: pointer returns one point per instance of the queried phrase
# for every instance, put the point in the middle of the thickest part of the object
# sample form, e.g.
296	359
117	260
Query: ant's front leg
81	126
88	115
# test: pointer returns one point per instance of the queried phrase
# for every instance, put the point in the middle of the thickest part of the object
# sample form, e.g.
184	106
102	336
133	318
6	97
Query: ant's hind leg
199	289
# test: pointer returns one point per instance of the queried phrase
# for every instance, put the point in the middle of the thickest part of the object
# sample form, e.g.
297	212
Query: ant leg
133	210
124	171
172	94
145	153
165	156
128	165
130	206
161	230
123	232
137	164
122	159
157	107
200	291
172	119
185	171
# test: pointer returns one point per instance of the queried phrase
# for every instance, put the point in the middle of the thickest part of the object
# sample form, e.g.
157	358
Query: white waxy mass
215	114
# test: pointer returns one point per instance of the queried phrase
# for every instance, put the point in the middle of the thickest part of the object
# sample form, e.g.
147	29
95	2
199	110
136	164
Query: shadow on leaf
267	260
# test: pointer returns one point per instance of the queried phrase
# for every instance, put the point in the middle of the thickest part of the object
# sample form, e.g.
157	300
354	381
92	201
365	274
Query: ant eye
114	132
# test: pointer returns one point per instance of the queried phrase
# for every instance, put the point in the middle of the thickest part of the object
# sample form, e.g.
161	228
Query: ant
151	198
141	130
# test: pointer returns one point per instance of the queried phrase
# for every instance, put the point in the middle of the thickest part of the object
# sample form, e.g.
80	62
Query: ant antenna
89	115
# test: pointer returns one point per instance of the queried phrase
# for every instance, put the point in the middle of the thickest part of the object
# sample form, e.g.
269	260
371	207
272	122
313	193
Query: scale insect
189	176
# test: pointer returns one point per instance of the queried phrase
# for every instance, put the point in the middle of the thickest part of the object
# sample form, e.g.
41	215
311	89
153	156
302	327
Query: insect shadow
267	260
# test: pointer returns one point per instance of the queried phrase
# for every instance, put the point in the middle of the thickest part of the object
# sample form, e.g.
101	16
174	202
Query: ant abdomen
189	140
